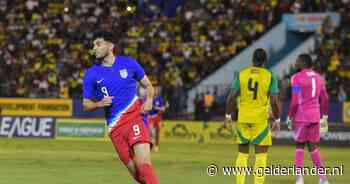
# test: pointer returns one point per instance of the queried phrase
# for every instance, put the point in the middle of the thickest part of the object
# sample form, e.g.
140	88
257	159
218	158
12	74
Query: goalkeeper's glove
324	124
289	123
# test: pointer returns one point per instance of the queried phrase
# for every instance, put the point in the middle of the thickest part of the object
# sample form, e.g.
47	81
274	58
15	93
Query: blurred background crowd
44	45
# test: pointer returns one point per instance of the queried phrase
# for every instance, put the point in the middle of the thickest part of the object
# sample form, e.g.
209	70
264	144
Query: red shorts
128	134
155	121
304	132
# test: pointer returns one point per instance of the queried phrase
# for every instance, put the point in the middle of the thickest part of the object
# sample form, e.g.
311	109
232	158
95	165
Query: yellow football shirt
255	84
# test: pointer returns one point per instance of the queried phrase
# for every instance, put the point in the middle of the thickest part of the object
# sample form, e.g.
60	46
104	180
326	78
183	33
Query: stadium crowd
333	59
331	56
44	45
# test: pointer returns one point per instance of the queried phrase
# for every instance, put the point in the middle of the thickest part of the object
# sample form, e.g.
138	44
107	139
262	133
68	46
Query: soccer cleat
299	180
324	181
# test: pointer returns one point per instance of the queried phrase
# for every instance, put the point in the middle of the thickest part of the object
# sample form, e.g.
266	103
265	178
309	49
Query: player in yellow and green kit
256	88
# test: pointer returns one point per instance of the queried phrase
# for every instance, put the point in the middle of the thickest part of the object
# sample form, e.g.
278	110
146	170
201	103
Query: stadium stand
47	43
331	57
55	39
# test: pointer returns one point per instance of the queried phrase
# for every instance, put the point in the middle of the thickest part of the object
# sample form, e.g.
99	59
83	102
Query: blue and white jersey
119	81
158	101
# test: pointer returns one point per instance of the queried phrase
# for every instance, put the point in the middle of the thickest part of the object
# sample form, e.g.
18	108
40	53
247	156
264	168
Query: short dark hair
107	36
260	57
306	60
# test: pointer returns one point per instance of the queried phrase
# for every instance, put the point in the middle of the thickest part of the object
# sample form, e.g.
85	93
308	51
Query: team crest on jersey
123	73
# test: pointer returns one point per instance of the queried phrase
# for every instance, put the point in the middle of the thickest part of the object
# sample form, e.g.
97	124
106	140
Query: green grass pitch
37	161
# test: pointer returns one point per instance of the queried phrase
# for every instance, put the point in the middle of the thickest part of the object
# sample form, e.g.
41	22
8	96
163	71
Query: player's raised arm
146	83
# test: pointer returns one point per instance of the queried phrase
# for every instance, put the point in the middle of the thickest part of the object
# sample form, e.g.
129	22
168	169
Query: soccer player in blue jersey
111	85
155	117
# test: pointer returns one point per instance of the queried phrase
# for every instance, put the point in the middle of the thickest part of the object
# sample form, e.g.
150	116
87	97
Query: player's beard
99	60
